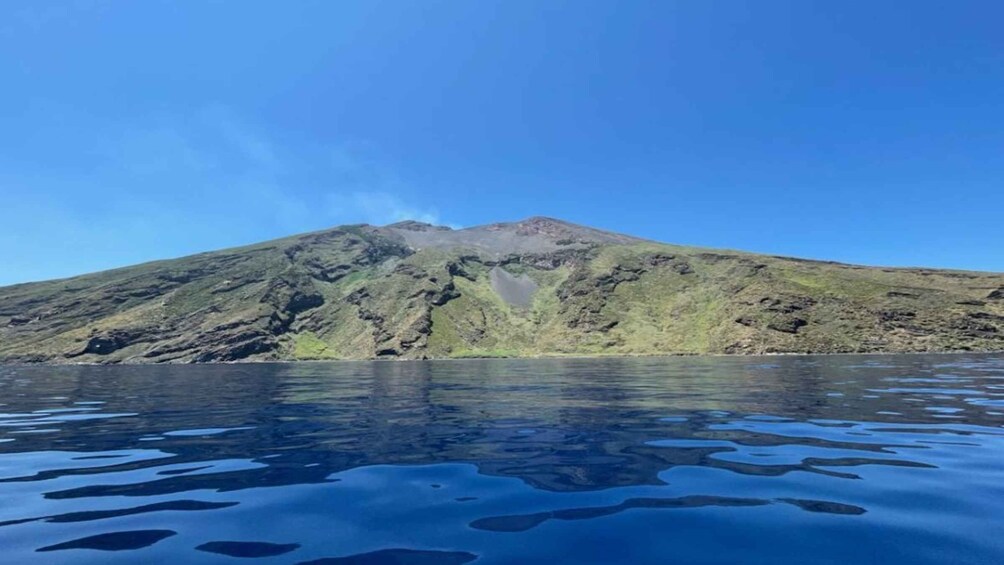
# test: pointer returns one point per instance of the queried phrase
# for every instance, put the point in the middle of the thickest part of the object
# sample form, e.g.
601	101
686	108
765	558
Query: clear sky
868	132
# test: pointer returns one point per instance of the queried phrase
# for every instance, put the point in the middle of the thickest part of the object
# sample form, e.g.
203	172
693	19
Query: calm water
896	459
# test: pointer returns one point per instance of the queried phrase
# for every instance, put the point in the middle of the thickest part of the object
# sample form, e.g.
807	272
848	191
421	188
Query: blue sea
770	460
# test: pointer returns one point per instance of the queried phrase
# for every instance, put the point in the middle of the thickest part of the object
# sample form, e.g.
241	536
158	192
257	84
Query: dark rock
659	259
986	316
357	296
448	293
459	269
237	350
787	304
997	294
411	271
301	302
787	325
329	273
896	315
182	277
545	261
584	296
898	294
714	257
607	326
905	320
946	274
667	260
292	297
109	342
102	345
682	268
977	325
737	348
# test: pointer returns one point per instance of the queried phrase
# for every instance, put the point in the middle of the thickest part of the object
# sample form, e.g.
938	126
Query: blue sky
869	132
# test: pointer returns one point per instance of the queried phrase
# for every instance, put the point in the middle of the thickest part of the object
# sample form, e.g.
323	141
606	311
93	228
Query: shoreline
515	358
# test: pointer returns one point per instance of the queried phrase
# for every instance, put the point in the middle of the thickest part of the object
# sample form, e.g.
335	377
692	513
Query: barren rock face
515	290
537	287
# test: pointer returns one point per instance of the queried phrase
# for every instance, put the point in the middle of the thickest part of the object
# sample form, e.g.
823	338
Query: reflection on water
696	460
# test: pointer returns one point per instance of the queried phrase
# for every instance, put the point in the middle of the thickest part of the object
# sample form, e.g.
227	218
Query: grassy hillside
537	287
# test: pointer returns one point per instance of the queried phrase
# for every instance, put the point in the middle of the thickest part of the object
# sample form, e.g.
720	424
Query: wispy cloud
180	184
221	156
379	208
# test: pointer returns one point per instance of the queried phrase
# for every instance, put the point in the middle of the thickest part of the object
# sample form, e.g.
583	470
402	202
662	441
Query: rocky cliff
536	287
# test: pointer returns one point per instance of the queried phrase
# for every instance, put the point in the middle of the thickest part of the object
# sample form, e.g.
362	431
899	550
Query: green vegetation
417	291
308	346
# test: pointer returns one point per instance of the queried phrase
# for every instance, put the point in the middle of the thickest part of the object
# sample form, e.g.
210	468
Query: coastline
576	356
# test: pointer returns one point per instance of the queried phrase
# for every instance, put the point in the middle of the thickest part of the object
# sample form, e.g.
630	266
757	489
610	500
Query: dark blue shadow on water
248	549
116	541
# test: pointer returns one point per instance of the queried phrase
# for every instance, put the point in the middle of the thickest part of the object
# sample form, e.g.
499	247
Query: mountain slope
536	287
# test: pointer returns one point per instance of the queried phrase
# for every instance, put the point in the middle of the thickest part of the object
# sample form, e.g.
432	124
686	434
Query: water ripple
697	460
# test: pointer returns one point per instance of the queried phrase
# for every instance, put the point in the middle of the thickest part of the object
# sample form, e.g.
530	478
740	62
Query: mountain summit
540	286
